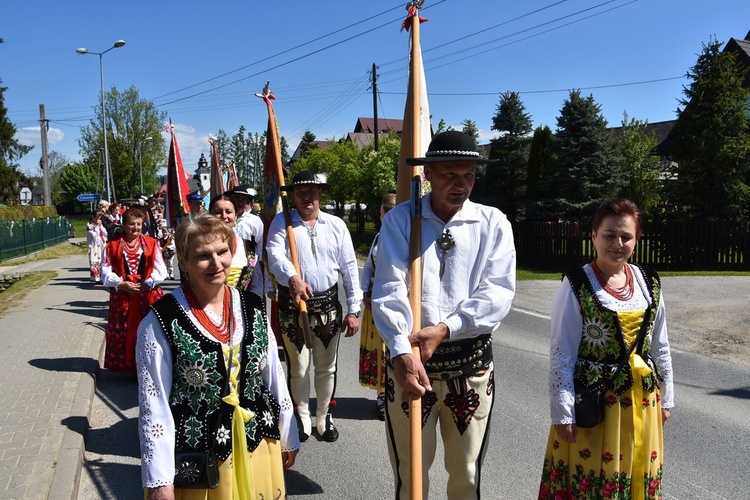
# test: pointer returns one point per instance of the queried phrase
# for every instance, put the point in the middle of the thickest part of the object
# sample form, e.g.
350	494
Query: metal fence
22	237
673	246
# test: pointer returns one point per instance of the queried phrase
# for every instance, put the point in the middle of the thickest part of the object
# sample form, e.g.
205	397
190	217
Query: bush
19	212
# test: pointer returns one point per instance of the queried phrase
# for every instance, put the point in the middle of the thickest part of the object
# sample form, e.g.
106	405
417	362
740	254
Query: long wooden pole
274	136
415	259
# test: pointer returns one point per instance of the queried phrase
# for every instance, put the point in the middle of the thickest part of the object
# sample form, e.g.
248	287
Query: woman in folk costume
609	330
242	269
210	378
133	268
371	347
96	238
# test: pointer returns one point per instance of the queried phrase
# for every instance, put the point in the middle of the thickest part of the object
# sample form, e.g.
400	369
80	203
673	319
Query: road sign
88	197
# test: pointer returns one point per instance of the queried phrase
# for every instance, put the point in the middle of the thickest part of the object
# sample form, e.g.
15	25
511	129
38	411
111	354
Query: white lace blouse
567	324
156	427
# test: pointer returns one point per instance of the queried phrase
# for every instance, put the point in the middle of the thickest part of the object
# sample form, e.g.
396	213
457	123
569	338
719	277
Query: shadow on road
299	484
113	480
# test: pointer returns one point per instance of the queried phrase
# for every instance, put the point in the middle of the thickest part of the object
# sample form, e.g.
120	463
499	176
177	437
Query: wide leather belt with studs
457	359
322	302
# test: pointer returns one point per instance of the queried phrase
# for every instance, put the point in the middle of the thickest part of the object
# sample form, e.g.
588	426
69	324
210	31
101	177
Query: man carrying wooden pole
467	284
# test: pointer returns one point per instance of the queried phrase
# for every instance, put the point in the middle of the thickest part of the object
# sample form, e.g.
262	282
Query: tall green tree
379	170
503	185
75	179
585	168
711	139
56	162
640	168
134	140
11	178
540	154
341	163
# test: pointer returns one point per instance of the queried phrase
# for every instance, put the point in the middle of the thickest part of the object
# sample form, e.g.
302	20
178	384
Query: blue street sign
88	197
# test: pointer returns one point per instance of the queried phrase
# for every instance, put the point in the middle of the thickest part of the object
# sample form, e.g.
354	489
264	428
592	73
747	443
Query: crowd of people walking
224	397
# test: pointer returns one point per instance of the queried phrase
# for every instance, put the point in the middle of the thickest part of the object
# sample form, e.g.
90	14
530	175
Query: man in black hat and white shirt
468	283
325	251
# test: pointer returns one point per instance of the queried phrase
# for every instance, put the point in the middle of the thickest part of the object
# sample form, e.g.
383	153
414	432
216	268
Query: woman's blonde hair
201	224
389	201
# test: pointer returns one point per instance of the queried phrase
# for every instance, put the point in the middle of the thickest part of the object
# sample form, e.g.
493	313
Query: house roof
384	124
314	145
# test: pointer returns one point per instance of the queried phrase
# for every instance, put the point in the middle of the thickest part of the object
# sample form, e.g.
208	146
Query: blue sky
202	62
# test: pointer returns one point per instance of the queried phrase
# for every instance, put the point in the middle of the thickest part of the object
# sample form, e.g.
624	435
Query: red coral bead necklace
221	331
622	293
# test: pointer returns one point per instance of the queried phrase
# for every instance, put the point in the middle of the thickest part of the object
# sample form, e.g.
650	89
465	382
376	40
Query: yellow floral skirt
371	355
619	458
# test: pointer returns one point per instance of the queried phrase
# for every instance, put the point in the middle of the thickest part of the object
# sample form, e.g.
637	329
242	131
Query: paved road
51	351
357	467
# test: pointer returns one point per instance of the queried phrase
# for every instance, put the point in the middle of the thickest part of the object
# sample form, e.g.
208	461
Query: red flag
273	171
217	179
176	203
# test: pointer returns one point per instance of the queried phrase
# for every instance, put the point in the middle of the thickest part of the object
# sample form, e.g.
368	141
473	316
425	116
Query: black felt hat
450	146
245	190
307	178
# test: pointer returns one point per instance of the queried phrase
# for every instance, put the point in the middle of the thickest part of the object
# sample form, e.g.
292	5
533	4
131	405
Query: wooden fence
674	246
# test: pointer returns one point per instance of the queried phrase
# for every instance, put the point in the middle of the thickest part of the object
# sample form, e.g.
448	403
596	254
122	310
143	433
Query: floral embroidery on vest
199	378
602	342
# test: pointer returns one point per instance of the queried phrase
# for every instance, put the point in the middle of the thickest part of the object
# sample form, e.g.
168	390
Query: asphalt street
706	440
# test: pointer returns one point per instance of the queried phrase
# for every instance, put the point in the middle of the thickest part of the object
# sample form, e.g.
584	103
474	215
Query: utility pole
375	102
45	159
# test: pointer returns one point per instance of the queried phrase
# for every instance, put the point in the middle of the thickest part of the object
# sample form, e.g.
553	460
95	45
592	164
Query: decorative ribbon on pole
274	168
414	142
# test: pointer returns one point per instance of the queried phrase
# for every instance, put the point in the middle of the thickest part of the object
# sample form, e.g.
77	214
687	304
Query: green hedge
20	212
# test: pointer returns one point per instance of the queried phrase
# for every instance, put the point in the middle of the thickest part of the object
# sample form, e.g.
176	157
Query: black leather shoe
302	436
331	434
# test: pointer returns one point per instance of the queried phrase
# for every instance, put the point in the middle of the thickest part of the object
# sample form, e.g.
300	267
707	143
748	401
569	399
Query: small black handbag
589	407
200	469
196	469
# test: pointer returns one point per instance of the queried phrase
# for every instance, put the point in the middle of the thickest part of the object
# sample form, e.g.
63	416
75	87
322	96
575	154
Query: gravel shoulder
708	315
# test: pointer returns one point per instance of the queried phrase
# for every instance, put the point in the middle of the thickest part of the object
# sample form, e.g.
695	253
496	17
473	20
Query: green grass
23	287
64	249
79	224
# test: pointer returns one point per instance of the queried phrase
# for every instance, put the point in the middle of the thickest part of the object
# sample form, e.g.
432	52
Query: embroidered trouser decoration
461	408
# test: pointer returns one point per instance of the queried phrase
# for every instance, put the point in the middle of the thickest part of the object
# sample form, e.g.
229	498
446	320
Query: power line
549	91
400	5
304	56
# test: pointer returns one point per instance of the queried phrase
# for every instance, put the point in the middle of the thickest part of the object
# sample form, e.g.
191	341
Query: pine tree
503	184
711	140
540	153
585	168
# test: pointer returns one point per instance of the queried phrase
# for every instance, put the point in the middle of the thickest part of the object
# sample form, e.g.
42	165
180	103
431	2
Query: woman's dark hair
133	213
224	197
619	207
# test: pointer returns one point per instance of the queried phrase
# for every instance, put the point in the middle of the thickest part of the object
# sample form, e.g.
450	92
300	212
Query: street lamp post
82	51
140	160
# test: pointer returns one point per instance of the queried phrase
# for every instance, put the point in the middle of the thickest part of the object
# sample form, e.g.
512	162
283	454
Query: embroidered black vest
199	377
603	345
